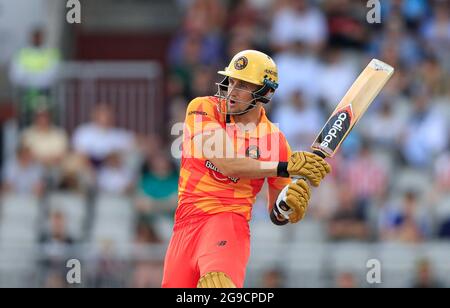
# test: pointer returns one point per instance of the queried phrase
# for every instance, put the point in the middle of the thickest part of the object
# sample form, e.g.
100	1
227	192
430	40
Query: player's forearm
246	167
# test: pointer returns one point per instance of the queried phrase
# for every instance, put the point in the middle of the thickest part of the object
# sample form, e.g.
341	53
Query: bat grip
319	153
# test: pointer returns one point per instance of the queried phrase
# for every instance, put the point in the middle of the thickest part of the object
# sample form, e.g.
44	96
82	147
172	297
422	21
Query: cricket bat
347	113
352	107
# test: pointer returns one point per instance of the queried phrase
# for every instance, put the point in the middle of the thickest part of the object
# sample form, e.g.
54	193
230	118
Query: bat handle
319	153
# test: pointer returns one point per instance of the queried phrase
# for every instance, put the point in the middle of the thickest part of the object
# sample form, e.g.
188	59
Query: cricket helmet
255	67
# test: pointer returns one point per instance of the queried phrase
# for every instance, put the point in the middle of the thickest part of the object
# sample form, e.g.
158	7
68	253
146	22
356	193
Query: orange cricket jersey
203	189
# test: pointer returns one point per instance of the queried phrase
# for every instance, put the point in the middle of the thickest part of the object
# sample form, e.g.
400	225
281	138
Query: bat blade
352	106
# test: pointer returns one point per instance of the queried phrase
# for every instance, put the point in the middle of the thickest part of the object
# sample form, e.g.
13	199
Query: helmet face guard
263	94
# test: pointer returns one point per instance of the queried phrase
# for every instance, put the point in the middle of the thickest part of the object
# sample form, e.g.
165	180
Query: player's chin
236	107
233	107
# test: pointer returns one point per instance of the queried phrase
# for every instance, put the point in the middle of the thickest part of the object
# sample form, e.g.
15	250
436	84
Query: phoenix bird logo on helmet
241	63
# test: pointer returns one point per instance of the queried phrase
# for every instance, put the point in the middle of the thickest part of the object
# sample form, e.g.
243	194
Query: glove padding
308	165
296	197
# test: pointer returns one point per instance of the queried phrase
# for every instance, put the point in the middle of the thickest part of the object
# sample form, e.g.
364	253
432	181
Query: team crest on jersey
253	152
240	63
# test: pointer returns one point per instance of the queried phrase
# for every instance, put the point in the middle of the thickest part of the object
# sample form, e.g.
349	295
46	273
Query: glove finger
311	176
319	162
299	189
296	193
305	187
298	206
296	161
309	165
318	169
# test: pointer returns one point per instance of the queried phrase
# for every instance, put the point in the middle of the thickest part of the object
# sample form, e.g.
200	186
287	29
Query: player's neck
251	117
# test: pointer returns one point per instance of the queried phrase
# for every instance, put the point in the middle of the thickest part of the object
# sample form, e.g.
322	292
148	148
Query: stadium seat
442	209
113	220
19	208
350	256
398	263
438	253
19	219
265	231
408	179
308	230
305	264
17	263
164	227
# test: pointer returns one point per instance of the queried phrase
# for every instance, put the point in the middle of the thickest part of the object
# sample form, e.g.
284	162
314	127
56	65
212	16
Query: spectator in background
346	280
75	175
213	12
114	177
245	27
243	13
444	228
147	274
199	42
34	70
57	249
436	31
335	76
297	20
347	23
273	278
439	195
367	178
108	267
297	110
409	49
47	143
427	125
431	73
349	222
323	199
203	77
298	70
407	223
158	187
146	234
383	128
96	140
442	171
23	175
414	12
147	271
237	42
183	69
424	276
57	233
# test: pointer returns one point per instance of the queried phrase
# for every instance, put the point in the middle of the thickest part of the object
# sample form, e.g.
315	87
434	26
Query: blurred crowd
94	161
391	178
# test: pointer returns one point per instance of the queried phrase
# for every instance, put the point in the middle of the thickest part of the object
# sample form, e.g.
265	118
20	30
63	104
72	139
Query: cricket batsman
229	149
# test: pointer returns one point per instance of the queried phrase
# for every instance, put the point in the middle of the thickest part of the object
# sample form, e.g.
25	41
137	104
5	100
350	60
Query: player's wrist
282	169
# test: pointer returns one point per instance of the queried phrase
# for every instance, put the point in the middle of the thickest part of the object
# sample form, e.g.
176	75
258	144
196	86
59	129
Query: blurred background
87	112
